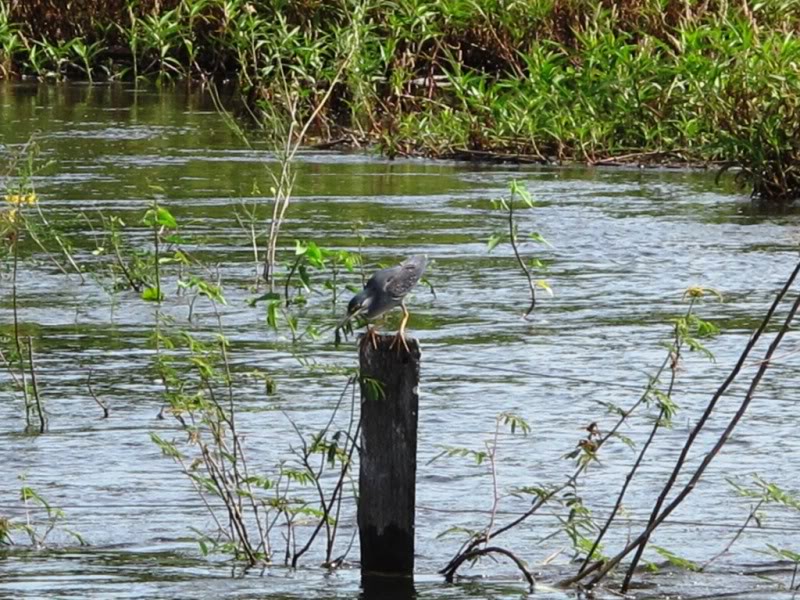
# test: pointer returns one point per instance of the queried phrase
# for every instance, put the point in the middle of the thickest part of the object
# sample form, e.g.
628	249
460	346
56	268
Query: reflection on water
626	243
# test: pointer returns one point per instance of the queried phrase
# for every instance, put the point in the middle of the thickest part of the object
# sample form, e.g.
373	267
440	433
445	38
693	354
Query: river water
625	245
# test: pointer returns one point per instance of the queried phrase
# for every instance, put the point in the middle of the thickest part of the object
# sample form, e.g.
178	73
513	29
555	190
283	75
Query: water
626	243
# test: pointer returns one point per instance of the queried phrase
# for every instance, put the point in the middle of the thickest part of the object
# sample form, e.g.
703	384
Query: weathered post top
388	458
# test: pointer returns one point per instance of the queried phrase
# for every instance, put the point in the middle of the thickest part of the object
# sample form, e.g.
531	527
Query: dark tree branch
675	354
100	403
449	574
658	517
513	235
35	386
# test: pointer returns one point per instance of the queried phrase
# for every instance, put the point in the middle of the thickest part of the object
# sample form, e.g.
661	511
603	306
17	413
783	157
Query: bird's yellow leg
371	336
401	335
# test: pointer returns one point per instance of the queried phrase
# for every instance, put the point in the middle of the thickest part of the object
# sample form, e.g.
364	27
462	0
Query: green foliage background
662	81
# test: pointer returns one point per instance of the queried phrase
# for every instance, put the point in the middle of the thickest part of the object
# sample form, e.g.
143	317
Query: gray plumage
387	288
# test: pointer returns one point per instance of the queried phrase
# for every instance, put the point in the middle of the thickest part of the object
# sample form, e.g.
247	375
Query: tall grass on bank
542	80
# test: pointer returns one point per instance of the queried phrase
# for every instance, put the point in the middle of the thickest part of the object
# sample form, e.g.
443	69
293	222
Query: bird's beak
350	316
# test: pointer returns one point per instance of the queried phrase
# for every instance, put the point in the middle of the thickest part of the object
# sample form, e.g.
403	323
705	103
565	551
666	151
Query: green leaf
152	294
174	238
539	239
514	422
272	314
160	216
784	554
676	560
267	296
494	240
165	218
541	283
519	190
372	388
314	255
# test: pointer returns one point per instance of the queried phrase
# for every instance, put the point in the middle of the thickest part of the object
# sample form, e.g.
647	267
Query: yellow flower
20	199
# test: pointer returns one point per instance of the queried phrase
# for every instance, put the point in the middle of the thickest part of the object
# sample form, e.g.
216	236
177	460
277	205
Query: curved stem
522	265
658	517
478	552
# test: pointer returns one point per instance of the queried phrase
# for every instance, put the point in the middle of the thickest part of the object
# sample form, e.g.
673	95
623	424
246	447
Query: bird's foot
400	337
371	336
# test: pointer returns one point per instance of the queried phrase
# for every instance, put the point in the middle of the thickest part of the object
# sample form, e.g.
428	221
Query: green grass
546	80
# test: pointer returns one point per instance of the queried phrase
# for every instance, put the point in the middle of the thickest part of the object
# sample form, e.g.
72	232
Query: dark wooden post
388	458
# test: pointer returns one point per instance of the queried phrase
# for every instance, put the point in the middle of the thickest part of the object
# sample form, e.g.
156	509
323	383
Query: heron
385	290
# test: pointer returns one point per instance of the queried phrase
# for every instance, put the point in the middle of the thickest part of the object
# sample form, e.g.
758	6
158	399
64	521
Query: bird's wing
405	276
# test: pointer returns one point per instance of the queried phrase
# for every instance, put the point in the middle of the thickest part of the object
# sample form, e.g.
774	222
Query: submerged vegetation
642	81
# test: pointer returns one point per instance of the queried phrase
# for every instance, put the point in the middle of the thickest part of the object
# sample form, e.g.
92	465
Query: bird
385	290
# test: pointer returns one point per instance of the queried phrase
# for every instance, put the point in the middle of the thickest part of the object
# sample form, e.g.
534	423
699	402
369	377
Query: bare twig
741	530
495	493
658	516
295	264
513	235
17	344
675	354
35	386
478	552
100	403
136	286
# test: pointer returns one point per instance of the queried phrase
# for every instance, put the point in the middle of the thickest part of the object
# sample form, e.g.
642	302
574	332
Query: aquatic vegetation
35	529
295	510
586	80
770	494
200	392
507	206
18	354
201	387
471	552
579	525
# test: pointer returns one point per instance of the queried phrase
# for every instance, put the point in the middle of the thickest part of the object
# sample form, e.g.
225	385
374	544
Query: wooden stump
388	458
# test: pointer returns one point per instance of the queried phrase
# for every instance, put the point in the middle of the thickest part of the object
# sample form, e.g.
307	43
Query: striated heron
385	290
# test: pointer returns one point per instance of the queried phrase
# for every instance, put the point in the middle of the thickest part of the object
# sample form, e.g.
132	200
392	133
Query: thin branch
289	279
100	403
675	354
35	386
658	517
478	552
750	517
495	493
522	265
64	250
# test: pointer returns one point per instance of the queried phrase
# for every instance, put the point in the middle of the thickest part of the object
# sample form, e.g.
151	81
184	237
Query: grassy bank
542	80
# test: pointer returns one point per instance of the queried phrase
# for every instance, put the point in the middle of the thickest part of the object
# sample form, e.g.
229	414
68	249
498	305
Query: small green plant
768	493
160	221
478	543
200	393
506	205
36	530
20	199
10	42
